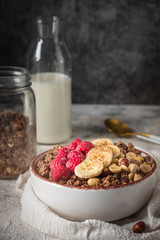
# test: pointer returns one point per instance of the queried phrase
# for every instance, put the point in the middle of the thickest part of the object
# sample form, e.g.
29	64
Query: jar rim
14	77
54	18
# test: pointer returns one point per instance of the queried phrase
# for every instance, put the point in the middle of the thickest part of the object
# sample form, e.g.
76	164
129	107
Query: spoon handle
152	138
155	137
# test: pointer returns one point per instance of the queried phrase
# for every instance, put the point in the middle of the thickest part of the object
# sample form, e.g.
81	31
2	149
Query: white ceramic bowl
104	204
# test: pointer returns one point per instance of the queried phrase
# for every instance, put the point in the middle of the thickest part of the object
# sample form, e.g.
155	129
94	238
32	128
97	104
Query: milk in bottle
53	106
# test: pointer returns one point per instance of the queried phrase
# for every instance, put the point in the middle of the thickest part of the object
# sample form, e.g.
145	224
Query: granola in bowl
99	164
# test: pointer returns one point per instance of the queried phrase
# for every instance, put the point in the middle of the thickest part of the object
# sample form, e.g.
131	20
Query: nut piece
139	227
9	170
130	176
125	168
114	168
93	181
124	161
121	155
137	177
133	168
131	156
115	160
145	168
11	145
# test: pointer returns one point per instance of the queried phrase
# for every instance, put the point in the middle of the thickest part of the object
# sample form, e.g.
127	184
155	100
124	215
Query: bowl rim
54	183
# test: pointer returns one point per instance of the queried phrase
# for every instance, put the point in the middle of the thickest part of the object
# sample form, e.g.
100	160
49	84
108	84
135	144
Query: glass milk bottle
49	62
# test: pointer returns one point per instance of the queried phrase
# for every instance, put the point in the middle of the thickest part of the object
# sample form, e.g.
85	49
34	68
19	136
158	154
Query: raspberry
74	144
59	171
74	158
84	147
60	160
63	152
63	161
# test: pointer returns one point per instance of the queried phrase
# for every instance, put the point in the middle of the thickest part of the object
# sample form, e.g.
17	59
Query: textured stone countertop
87	123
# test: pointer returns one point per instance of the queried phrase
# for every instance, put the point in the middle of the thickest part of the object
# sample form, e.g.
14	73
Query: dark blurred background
115	45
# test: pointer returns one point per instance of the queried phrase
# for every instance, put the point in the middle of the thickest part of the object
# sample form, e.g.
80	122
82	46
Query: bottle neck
49	28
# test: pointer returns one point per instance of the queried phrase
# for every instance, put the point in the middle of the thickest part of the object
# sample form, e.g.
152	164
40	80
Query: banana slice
102	141
115	150
89	169
101	153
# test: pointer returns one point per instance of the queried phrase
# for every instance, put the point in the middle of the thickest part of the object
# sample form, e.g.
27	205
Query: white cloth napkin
41	217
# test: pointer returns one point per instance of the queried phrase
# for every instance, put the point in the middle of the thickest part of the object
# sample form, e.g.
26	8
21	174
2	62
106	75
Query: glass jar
49	62
17	122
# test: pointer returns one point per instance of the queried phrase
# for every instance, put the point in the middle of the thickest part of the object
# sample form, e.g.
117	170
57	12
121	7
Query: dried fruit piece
139	227
101	141
89	168
115	168
93	181
133	168
145	168
101	153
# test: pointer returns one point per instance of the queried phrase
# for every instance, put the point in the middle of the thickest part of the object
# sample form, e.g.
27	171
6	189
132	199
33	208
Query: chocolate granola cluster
17	143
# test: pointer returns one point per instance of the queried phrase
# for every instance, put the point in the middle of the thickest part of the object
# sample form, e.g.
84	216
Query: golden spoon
121	129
